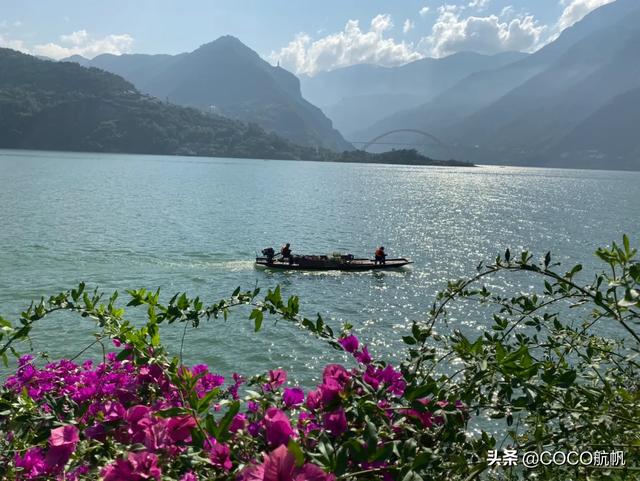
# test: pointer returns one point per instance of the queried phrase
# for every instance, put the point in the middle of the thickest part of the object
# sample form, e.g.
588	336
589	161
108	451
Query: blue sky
305	36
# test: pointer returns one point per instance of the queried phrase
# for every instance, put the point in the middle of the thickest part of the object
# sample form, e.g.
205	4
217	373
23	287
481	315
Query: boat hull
331	265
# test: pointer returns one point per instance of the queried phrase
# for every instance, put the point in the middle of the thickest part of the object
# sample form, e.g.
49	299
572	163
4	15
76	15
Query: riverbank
394	157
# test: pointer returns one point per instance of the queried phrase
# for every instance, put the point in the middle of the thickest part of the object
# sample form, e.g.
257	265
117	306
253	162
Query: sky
305	36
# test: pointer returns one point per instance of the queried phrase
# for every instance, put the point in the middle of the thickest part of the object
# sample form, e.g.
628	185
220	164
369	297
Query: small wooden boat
328	263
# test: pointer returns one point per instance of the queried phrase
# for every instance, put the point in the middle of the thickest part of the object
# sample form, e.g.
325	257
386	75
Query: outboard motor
269	253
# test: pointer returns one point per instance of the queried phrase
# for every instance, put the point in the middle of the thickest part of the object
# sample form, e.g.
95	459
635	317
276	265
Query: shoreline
433	163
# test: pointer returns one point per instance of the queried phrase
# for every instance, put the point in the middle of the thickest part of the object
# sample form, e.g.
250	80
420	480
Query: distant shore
394	157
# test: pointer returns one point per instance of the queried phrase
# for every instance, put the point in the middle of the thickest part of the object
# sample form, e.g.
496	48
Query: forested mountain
63	106
227	77
522	113
355	97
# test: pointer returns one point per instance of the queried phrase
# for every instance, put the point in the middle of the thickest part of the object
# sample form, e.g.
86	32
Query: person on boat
380	256
285	252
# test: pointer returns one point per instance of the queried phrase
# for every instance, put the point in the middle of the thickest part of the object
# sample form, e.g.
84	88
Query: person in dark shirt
285	252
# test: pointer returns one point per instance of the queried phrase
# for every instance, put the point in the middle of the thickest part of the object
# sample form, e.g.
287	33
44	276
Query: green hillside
63	106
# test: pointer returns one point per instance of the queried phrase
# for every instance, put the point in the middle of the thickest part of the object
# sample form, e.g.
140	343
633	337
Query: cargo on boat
336	262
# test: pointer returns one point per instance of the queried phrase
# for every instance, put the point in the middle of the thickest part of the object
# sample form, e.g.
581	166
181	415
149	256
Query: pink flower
329	391
293	396
64	436
349	343
179	428
96	432
254	429
425	418
363	356
32	463
114	411
206	380
336	422
277	378
145	465
138	418
62	443
219	454
277	426
190	476
57	456
120	470
238	423
313	399
337	373
139	466
306	423
279	465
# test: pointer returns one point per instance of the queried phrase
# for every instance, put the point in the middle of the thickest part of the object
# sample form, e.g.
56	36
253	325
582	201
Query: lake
196	225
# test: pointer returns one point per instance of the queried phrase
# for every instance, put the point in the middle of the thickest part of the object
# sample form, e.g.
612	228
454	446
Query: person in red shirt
380	255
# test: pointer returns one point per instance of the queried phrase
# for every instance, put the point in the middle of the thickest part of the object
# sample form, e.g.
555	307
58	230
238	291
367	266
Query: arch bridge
427	135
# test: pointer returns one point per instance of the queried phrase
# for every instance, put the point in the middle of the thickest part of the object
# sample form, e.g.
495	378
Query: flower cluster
138	417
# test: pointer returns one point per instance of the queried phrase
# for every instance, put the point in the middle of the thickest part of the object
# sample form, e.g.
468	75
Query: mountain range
62	106
572	103
542	109
356	96
47	105
228	78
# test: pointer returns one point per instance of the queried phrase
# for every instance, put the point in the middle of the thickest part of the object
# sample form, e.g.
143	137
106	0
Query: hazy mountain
227	77
63	106
533	117
352	113
357	96
607	139
516	113
85	62
139	69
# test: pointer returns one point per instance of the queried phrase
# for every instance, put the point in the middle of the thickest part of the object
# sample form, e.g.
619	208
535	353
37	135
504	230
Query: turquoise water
195	225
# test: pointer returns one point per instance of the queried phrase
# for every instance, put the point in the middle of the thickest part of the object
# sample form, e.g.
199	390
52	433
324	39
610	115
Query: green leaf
222	430
296	451
625	242
566	379
257	316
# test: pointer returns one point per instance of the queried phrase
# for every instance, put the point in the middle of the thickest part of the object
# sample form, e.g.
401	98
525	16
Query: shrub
143	414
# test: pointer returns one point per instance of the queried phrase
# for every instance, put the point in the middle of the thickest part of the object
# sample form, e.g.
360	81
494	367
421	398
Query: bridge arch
414	131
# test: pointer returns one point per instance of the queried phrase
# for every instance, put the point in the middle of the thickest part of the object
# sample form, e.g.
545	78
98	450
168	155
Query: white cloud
13	44
76	38
81	43
424	11
408	26
76	43
350	46
479	4
575	10
491	34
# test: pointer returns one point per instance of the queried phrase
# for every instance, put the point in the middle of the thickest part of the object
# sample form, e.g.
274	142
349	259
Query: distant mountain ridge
62	106
227	77
48	105
525	113
356	96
